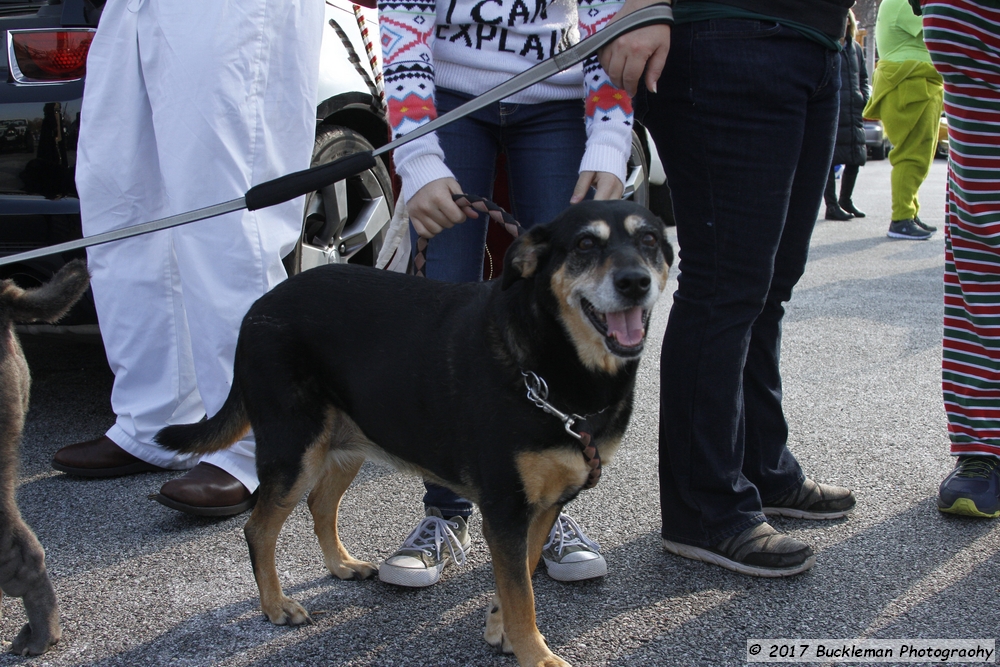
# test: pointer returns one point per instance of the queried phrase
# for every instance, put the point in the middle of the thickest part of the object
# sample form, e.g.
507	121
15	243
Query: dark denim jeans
544	145
745	121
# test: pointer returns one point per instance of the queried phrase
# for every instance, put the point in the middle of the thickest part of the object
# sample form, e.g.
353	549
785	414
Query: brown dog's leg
261	531
23	575
42	629
515	612
324	503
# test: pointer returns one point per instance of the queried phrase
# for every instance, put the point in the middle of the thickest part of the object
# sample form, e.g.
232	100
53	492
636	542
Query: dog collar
538	393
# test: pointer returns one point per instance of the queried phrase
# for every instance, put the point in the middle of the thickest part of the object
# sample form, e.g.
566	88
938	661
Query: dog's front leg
511	619
24	576
537	534
324	503
42	629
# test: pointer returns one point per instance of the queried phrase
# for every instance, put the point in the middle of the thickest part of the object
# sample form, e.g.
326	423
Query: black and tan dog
22	560
341	363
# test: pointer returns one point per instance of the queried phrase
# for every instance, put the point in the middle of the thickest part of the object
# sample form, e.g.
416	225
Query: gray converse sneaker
419	561
760	551
814	501
570	555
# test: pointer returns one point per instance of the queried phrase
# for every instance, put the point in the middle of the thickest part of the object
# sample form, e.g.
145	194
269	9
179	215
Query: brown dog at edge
22	559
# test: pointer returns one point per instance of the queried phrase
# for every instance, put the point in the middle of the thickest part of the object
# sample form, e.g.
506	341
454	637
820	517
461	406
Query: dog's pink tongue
626	326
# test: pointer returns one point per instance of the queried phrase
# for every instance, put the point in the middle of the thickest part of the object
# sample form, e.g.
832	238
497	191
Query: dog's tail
210	435
49	302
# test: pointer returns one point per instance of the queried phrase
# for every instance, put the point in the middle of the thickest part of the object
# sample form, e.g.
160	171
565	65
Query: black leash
290	186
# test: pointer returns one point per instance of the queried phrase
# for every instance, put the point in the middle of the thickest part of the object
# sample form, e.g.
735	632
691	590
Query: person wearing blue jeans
565	138
543	144
744	116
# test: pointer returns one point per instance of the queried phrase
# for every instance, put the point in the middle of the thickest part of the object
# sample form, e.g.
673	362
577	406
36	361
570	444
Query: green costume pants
913	131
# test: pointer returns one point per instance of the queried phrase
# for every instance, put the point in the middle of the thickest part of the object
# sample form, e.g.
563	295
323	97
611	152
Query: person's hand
605	184
642	50
432	209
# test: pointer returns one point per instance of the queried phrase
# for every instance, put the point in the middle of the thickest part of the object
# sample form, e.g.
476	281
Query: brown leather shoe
206	490
99	457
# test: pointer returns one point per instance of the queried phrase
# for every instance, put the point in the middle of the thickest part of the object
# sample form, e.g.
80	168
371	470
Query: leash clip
538	393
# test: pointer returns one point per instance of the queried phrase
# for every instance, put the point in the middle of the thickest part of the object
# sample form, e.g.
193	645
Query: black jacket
850	148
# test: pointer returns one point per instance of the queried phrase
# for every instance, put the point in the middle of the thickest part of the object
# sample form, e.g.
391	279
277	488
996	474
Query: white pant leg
258	124
135	285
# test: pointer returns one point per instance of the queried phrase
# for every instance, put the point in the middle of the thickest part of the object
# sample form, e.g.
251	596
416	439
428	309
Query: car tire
637	174
878	152
345	222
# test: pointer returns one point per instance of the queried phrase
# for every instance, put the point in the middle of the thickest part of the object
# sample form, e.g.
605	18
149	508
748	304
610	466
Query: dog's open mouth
624	331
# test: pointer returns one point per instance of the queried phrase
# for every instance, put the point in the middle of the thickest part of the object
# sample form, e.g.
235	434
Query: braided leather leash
494	212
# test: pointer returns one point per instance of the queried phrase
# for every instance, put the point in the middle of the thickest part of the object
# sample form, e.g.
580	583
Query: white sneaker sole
897	235
577	571
697	553
415	577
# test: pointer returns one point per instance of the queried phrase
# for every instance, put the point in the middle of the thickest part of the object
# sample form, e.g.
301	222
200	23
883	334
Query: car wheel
941	152
346	221
878	152
637	174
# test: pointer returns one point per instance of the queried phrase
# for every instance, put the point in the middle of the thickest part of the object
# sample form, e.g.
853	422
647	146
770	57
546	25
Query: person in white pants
187	104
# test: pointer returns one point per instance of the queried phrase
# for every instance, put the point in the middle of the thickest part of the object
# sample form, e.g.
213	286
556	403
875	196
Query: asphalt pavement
140	584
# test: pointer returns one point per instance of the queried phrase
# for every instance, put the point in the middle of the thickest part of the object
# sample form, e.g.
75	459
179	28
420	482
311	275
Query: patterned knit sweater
471	46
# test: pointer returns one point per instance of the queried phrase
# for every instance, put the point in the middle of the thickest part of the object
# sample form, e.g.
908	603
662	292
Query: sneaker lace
977	466
567	533
431	534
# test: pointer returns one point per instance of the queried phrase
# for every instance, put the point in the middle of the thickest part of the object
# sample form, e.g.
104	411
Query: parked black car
41	90
45	48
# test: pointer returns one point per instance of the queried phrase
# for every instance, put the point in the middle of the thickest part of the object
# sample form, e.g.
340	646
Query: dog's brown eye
586	243
648	240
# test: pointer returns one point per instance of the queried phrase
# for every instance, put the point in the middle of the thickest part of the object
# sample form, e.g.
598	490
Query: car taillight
45	56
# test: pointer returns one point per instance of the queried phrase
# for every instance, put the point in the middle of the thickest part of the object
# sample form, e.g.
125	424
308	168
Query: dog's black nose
632	283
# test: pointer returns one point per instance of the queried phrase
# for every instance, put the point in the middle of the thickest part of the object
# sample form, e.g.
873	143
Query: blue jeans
745	121
543	144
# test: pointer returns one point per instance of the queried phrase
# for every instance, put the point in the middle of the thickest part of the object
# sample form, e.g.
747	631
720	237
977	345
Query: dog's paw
552	661
494	634
288	612
33	643
352	569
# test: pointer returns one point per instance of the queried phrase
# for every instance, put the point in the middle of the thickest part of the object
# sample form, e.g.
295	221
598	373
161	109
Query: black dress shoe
837	213
99	457
849	207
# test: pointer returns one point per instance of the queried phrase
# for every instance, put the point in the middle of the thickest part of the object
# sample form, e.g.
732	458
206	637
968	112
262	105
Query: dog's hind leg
515	553
324	503
277	498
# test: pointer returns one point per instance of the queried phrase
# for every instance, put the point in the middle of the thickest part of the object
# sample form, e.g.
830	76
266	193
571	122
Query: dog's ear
525	254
